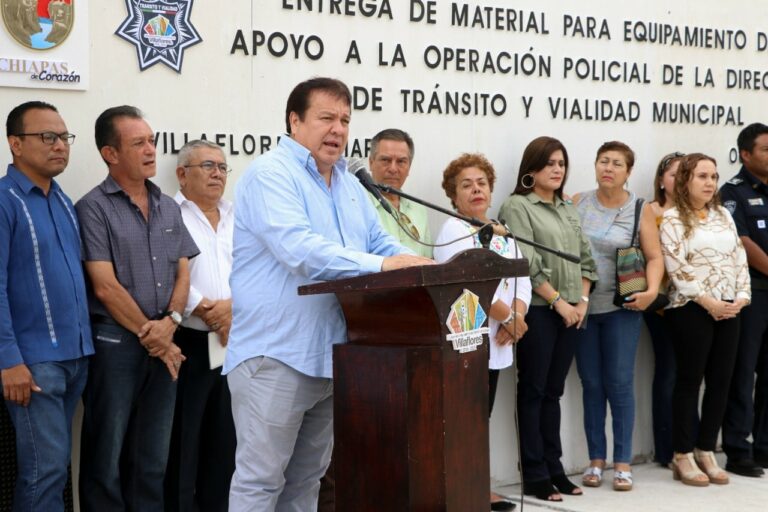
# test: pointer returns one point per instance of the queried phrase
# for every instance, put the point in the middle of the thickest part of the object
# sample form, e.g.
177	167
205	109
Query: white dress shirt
208	271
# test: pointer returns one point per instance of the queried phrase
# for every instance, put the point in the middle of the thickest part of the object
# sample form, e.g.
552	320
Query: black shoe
542	489
744	467
502	505
761	460
565	486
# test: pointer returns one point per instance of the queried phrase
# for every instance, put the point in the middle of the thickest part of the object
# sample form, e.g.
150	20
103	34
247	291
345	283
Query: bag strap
638	211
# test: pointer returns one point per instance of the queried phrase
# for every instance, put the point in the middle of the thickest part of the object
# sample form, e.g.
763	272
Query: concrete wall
409	48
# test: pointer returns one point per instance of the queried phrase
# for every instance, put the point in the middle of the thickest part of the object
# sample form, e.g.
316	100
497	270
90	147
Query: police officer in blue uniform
746	197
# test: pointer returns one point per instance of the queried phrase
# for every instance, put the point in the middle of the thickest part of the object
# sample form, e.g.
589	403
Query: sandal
592	477
565	486
543	490
708	464
684	468
622	480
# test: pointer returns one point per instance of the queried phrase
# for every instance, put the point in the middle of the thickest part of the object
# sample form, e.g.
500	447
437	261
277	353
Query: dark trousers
544	356
705	349
663	385
202	454
128	403
743	416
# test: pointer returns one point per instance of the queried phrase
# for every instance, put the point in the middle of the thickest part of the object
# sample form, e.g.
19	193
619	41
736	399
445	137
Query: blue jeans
129	403
44	434
605	358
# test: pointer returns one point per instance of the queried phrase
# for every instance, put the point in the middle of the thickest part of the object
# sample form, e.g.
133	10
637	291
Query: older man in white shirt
202	457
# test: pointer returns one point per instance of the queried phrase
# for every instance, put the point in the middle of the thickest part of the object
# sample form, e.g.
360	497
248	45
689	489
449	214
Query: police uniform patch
756	201
735	180
730	206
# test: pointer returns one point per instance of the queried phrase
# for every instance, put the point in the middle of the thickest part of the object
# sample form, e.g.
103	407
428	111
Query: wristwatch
585	299
176	317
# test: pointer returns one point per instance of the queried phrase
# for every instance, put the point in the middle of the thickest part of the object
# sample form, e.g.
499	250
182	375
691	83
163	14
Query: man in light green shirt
390	162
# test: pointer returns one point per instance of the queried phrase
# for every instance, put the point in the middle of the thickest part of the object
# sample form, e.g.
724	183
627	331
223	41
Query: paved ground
656	491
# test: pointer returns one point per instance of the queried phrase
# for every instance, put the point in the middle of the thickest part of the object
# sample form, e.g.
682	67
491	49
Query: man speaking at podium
300	218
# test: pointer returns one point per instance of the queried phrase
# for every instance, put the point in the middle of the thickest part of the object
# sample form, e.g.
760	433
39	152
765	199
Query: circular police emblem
38	24
730	206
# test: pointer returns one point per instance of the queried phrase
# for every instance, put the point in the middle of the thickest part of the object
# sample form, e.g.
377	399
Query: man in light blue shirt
301	218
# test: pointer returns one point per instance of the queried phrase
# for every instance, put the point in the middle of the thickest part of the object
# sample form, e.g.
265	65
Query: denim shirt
43	303
291	229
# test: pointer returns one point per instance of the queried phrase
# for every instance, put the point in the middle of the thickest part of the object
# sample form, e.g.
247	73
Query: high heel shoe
684	468
708	464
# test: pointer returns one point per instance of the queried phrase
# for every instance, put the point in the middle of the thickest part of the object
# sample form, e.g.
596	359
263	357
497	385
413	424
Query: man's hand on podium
404	261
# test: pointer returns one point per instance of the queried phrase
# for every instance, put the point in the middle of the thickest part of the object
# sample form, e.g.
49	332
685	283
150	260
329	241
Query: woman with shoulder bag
612	219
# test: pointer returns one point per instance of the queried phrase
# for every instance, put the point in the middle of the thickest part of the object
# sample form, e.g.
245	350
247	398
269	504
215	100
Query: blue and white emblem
161	31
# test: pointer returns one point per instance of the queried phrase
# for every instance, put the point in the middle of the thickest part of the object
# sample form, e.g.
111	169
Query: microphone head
354	165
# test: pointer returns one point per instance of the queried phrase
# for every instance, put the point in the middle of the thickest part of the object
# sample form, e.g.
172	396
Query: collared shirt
710	261
554	225
43	302
418	216
208	271
746	197
145	254
291	229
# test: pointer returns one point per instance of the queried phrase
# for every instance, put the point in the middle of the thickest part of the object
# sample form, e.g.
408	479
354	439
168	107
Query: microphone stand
486	229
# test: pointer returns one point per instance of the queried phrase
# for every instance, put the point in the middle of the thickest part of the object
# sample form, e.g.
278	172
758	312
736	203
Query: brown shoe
684	468
708	464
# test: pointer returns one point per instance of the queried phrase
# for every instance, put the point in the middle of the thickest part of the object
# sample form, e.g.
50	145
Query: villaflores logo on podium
161	30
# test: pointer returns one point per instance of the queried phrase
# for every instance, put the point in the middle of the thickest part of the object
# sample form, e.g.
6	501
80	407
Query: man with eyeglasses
45	333
390	160
136	253
202	457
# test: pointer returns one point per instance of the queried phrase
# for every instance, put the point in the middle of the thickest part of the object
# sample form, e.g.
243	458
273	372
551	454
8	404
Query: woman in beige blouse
709	285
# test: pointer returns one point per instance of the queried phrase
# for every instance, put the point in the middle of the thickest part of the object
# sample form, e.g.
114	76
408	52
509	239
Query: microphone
357	167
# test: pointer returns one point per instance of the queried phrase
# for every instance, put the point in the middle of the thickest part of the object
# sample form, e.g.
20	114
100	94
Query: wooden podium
410	410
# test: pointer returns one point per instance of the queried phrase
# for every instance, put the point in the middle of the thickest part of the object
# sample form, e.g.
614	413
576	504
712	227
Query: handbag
630	269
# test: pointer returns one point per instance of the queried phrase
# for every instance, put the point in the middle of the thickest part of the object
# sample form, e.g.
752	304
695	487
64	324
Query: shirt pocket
170	240
757	216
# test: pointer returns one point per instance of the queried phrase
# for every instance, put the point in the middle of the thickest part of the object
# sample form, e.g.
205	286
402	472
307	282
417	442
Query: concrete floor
656	491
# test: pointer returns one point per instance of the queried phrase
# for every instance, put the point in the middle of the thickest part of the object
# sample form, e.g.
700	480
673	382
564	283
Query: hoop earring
526	185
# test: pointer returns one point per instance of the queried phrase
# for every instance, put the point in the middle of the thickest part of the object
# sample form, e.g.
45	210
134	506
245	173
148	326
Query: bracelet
554	299
585	299
510	317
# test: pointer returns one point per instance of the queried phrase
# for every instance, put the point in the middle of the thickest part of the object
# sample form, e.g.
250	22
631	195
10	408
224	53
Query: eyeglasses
51	137
668	160
406	224
209	167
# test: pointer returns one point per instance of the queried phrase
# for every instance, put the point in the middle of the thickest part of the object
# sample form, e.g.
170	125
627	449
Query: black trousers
202	454
745	416
544	356
705	349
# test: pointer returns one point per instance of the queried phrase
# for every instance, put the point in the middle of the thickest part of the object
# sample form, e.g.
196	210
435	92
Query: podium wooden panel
410	412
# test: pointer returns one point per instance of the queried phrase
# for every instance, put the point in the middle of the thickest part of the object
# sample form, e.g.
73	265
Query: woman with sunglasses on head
612	218
468	183
537	211
664	354
709	285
